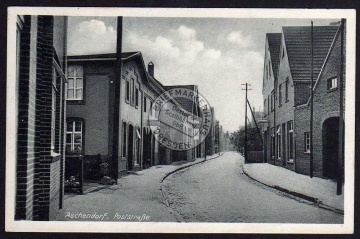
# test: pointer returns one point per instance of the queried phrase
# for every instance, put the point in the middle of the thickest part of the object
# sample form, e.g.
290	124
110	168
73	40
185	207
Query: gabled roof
187	104
112	57
328	57
274	41
107	56
298	47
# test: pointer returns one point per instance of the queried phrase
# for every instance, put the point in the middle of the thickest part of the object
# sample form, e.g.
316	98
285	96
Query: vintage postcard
180	120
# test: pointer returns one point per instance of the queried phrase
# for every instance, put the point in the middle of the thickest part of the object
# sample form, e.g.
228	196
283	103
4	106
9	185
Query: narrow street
218	191
212	191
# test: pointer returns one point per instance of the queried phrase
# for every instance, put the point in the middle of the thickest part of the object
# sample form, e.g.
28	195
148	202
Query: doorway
147	161
330	133
130	148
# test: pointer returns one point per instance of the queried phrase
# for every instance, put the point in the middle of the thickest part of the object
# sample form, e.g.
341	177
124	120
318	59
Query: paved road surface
217	191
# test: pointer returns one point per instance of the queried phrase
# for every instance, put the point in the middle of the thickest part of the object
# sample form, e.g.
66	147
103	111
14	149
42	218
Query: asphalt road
218	191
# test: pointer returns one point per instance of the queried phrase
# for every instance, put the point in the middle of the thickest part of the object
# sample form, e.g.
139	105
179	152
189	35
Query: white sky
218	54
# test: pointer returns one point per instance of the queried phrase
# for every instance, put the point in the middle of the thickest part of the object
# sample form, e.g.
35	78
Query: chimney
151	68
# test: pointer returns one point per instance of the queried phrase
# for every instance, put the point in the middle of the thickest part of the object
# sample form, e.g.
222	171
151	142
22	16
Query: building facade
90	114
91	96
326	108
286	92
41	109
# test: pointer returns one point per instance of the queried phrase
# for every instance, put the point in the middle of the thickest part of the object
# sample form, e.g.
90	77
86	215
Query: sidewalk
175	166
320	191
138	193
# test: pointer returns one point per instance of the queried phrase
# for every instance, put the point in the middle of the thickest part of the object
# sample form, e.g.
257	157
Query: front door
330	147
130	148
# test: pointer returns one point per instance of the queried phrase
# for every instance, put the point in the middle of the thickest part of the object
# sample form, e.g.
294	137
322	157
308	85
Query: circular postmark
181	118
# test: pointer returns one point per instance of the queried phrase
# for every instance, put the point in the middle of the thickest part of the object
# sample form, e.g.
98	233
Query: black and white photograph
180	120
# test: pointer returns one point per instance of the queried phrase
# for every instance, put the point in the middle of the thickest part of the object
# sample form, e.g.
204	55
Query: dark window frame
136	97
280	95
127	91
132	91
145	104
329	84
74	78
76	119
287	90
306	145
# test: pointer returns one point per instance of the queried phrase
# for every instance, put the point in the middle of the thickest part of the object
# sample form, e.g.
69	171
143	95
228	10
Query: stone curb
162	189
314	200
187	166
95	189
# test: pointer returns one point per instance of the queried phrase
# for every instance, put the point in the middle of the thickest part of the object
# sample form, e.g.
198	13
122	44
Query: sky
217	54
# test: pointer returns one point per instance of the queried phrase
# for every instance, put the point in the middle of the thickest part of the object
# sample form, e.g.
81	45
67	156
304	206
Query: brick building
93	109
41	63
286	92
326	108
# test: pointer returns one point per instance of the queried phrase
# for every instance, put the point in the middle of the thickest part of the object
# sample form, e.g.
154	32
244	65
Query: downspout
341	117
312	104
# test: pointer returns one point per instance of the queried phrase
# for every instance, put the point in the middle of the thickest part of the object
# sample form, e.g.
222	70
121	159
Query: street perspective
180	122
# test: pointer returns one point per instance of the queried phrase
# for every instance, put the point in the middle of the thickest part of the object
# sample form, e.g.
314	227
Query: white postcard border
165	227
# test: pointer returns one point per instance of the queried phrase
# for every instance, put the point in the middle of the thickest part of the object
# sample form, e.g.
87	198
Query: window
307	142
278	141
280	95
287	90
127	94
268	105
272	100
283	53
272	146
132	91
269	70
290	140
136	97
124	139
332	83
151	105
74	137
145	104
75	83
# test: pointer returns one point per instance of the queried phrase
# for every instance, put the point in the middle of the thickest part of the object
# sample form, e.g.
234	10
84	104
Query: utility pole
115	139
311	104
246	99
341	116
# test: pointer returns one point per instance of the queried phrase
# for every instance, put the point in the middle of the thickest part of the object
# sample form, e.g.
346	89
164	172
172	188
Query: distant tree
253	140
